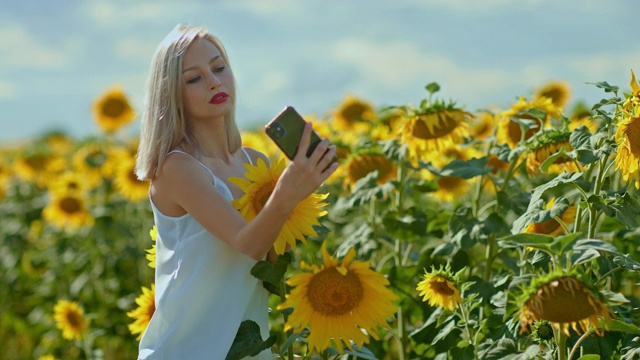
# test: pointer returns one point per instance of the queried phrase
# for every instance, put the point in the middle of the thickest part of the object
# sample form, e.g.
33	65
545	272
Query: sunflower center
440	286
450	183
333	294
632	132
74	319
261	195
353	112
362	165
113	108
436	125
95	159
70	205
37	162
564	300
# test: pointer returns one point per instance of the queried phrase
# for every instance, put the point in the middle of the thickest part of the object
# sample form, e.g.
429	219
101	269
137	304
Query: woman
190	144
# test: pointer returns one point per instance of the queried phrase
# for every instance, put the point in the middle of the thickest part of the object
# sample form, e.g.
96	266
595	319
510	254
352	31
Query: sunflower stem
561	341
596	191
491	241
289	332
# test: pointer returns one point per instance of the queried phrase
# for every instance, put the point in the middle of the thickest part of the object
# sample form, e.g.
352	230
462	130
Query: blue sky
56	57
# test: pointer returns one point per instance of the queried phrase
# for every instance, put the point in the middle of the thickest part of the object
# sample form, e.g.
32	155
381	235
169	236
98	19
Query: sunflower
510	132
127	184
259	184
90	160
558	91
565	300
151	253
112	110
544	149
46	357
552	227
542	331
343	301
38	167
68	181
432	129
354	114
67	210
70	319
358	165
143	313
451	152
482	125
440	288
628	140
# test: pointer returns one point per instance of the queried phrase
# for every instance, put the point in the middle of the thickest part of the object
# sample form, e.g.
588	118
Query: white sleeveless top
204	290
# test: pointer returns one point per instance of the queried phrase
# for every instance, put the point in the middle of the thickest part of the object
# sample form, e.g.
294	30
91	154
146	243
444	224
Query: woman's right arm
189	186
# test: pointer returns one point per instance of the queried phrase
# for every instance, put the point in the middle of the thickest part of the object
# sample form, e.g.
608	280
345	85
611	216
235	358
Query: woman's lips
219	98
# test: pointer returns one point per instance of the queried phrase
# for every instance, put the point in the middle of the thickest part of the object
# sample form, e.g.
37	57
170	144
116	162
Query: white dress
204	290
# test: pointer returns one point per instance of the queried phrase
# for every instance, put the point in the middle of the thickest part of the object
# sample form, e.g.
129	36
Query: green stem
402	335
576	346
289	332
490	254
465	319
596	191
561	340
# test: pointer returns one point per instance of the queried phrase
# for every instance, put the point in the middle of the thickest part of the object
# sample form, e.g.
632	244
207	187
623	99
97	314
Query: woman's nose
214	82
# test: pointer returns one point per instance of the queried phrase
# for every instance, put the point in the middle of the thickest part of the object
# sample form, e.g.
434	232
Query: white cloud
21	49
110	14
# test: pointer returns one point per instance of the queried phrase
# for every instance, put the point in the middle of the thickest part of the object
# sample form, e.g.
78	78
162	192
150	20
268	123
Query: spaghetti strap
247	155
186	153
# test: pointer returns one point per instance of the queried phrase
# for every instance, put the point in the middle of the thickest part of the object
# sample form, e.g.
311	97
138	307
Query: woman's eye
194	80
219	69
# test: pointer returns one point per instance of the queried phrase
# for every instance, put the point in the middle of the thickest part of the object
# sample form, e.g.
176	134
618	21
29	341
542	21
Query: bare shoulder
178	174
255	155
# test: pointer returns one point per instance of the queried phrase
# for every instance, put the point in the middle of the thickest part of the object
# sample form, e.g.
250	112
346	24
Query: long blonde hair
164	123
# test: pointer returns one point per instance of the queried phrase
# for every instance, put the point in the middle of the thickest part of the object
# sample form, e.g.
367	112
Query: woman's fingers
305	140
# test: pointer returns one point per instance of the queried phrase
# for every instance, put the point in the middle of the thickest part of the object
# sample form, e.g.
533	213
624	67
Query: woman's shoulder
254	155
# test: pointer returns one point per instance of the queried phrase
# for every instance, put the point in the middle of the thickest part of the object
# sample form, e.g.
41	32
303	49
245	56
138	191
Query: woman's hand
303	175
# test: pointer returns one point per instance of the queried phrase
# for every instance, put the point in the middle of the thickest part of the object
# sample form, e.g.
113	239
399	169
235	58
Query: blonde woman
189	146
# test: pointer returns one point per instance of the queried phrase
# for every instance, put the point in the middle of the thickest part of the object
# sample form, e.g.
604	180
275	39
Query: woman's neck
211	140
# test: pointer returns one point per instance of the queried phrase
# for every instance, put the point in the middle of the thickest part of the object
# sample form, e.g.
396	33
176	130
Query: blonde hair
164	123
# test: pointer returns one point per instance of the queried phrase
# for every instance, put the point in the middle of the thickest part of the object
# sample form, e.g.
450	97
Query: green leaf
560	155
595	244
534	240
464	169
580	139
605	86
537	213
500	349
272	273
248	341
564	178
617	325
291	339
589	357
627	262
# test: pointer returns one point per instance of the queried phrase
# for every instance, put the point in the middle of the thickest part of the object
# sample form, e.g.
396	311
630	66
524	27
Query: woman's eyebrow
213	59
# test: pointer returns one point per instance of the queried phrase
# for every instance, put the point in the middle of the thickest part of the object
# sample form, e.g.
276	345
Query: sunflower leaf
536	213
580	139
504	152
533	240
563	178
248	341
272	274
562	154
627	262
605	86
464	169
500	349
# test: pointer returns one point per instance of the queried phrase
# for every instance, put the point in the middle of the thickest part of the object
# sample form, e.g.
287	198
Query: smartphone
286	130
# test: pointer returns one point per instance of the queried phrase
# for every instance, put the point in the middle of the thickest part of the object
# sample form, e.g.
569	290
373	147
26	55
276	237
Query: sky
57	57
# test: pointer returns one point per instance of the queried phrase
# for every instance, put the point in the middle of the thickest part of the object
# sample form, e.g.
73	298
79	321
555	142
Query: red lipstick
219	98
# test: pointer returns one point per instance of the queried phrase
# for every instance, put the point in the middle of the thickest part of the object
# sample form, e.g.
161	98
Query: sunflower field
445	233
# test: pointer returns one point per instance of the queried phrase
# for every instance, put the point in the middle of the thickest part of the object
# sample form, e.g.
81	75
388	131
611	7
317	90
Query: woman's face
208	82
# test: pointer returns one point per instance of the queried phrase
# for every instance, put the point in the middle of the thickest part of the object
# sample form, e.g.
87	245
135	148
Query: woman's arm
188	185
